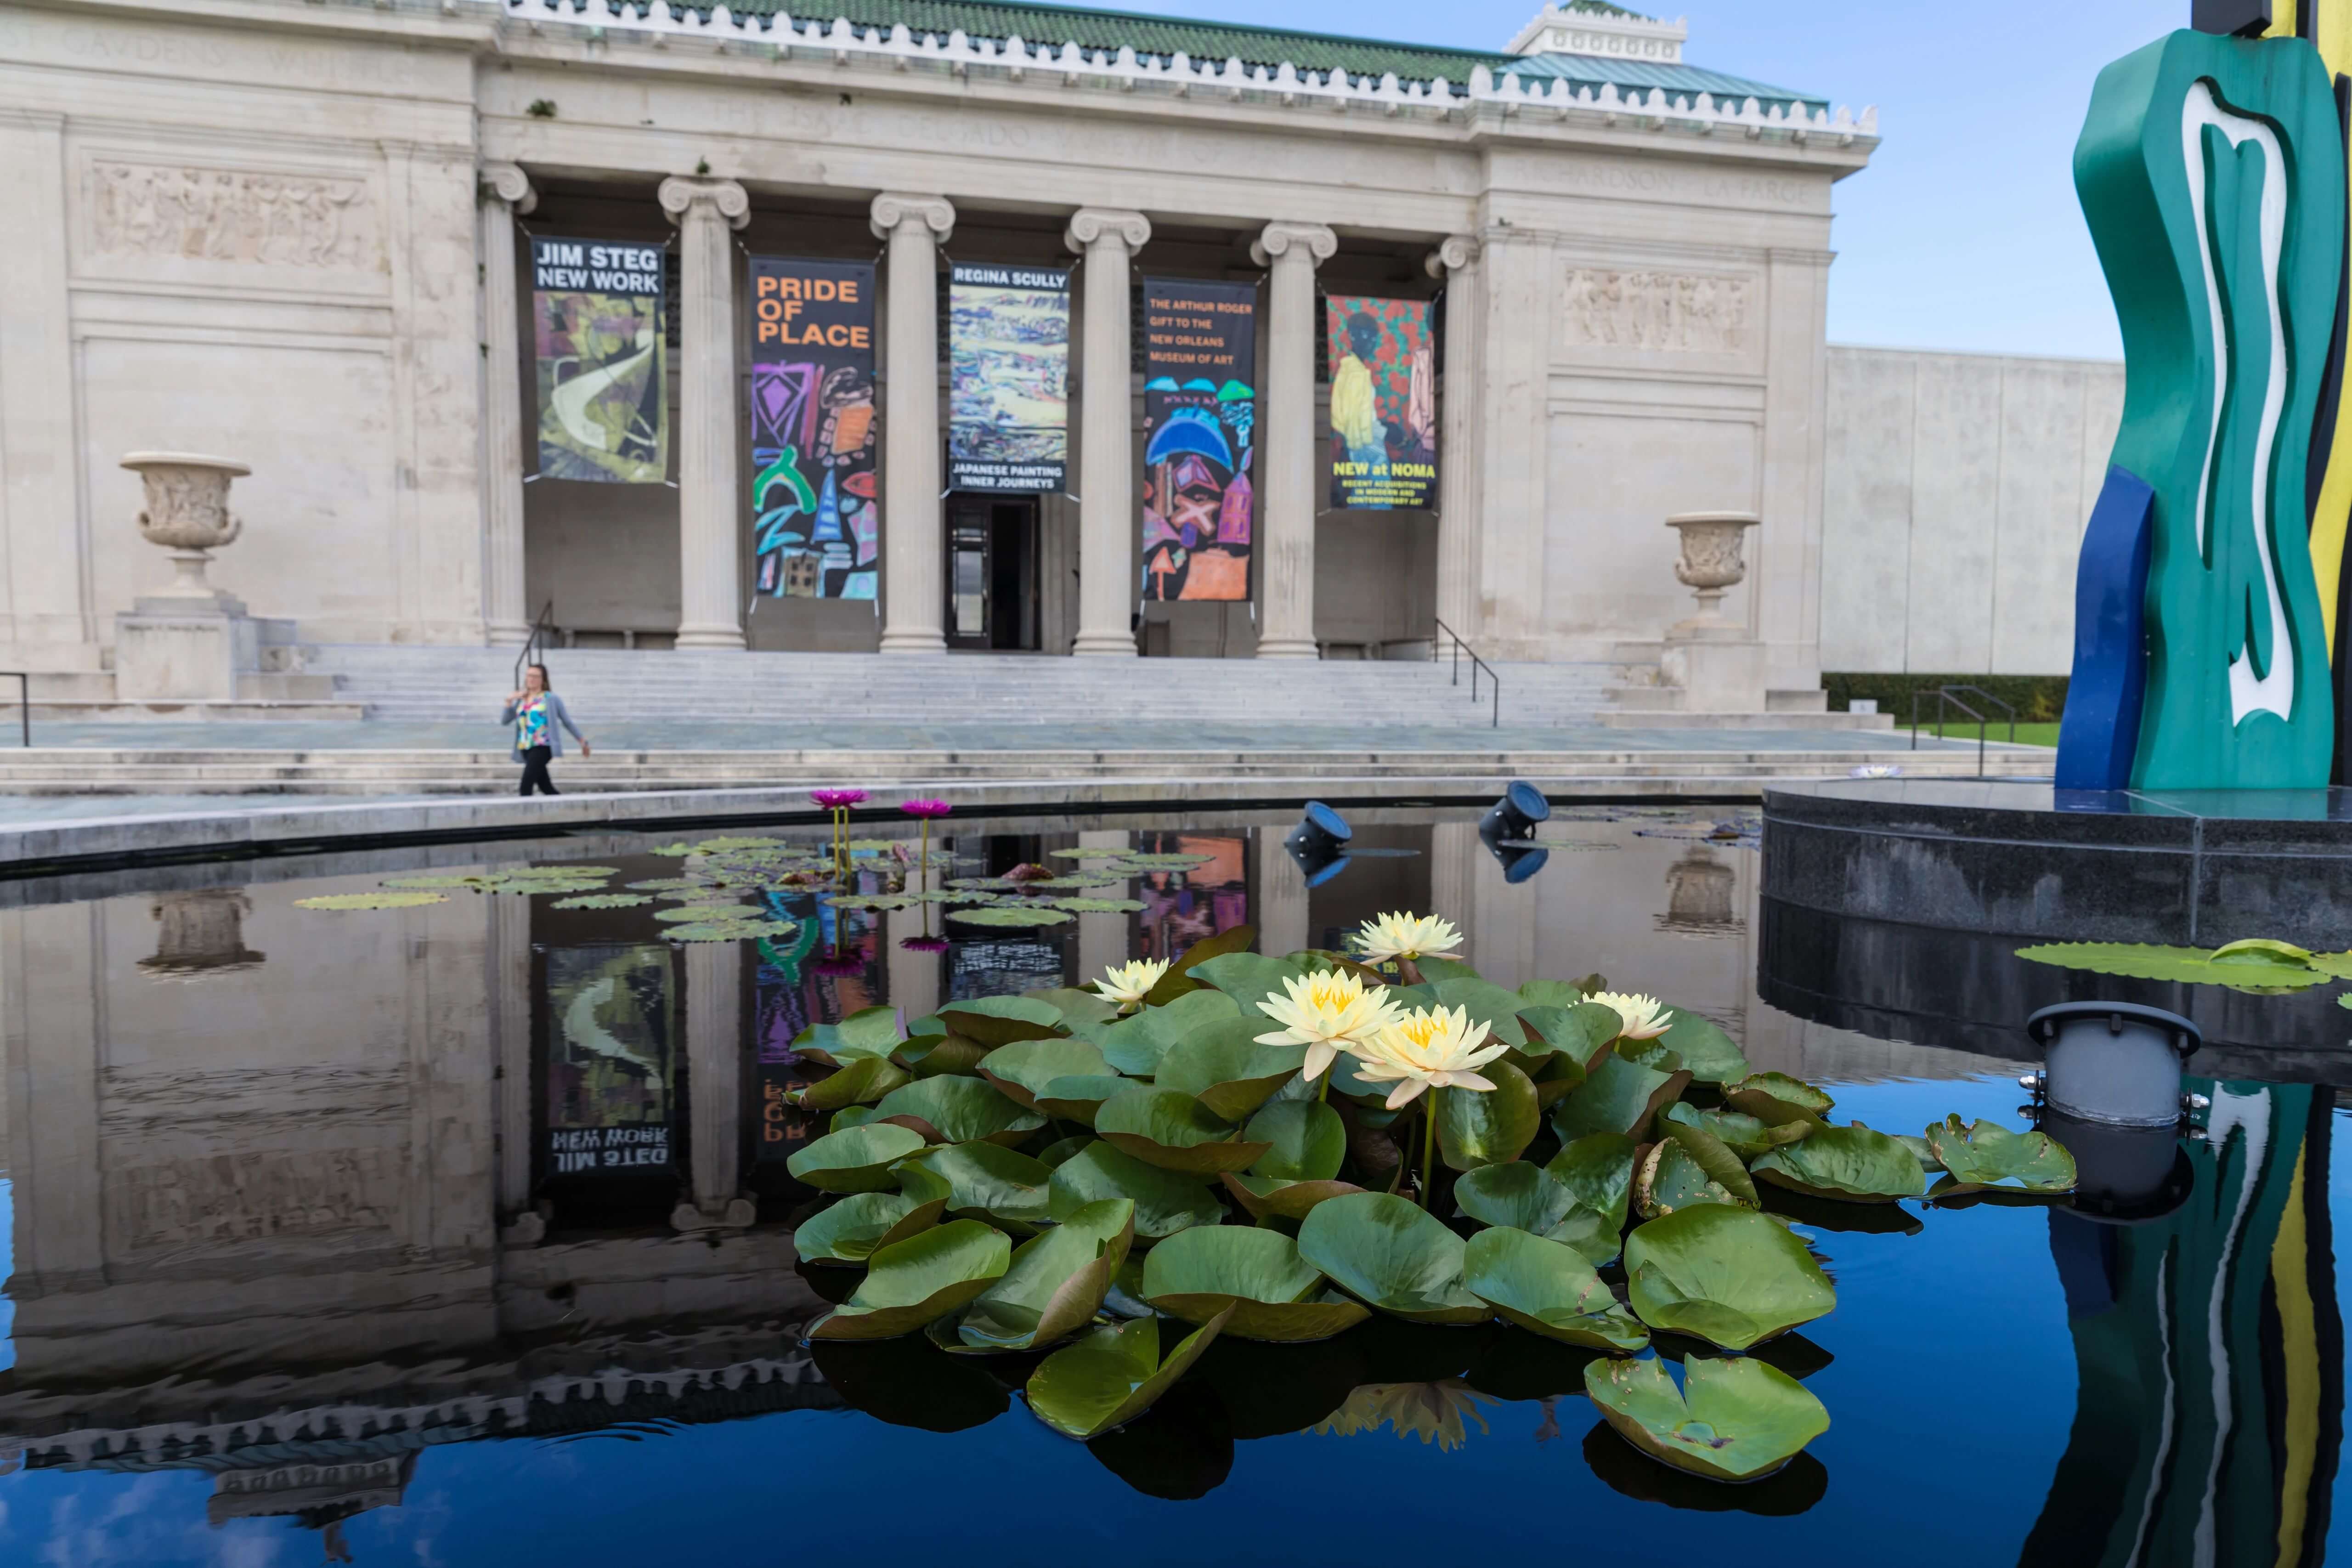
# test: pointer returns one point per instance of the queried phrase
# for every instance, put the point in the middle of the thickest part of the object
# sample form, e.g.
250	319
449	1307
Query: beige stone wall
265	245
1958	488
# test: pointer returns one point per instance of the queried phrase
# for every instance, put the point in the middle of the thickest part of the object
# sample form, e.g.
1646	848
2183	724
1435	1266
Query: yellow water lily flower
1327	1012
1433	1411
1129	984
1430	1048
1643	1017
1402	935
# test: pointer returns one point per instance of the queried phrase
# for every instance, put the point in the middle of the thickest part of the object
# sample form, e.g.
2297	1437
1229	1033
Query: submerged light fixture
1319	843
1509	824
2110	1089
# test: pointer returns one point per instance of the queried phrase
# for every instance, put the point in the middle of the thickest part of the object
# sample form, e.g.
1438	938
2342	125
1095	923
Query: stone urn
1710	564
200	931
187	514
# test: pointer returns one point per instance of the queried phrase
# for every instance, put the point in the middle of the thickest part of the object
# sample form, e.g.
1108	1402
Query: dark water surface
295	1272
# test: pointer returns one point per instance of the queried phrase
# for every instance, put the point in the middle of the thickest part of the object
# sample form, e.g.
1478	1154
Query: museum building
499	305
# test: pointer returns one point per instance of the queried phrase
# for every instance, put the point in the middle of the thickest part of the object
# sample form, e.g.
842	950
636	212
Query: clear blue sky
1963	232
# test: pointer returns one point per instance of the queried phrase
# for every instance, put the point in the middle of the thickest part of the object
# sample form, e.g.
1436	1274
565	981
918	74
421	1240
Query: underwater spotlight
2111	1090
1319	843
1514	817
1520	861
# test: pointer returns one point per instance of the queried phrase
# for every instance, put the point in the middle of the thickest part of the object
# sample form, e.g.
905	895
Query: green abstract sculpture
2211	171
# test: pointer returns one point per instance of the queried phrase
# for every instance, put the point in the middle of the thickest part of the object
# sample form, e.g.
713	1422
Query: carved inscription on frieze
235	215
253	1195
1665	312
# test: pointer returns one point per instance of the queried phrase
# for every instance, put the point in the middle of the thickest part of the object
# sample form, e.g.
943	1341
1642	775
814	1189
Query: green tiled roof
1270	47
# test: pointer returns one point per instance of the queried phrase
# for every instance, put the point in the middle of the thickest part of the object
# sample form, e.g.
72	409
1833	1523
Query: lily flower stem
1323	1089
1407	972
1428	1143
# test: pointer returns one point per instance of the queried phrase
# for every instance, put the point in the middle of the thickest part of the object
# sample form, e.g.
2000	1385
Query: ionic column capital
894	209
1093	226
1317	242
680	193
510	184
1454	253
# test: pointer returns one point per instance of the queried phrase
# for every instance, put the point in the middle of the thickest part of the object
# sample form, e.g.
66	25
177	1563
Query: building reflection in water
200	931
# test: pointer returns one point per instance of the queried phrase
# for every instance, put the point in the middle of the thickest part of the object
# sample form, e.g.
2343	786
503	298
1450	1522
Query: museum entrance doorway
992	573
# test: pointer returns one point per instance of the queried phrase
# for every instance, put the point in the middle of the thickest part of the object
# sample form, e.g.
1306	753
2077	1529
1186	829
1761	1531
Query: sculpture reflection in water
2210	1353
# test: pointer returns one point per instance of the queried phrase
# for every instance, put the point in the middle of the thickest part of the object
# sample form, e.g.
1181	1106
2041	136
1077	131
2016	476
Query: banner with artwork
1383	404
816	518
598	333
1200	414
1008	378
611	1059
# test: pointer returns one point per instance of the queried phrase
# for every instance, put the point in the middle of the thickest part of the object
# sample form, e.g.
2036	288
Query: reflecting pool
462	1234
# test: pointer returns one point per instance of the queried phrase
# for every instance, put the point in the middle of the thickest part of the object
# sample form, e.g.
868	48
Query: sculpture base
173	646
1714	675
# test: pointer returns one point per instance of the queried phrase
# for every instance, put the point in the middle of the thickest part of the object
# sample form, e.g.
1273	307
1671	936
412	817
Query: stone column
1286	438
714	1054
710	607
1456	263
1107	533
46	598
1279	902
914	566
506	194
914	971
1103	940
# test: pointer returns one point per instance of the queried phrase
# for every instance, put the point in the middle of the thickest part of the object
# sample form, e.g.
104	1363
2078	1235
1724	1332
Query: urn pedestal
1713	661
189	639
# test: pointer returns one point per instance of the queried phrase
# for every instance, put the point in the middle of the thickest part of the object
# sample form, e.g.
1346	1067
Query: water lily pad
1090	852
1278	1197
909	1283
414	900
1179	981
1714	1158
668	884
1257	1276
1777	1099
1077	1095
1490	1128
1165	1202
730	930
996	1021
1023	1069
1525	1196
949	1109
602	901
1547	1289
1743	1134
1712	1056
1618	1095
1724	1274
986	1181
858	1081
1599	1170
1056	1281
1579	1030
1668	1178
1078	1006
868	1032
940	1055
1222	1065
1168	861
1852	1164
1111	1376
1249	978
1734	1419
853	1228
1305	1141
1135	1045
1389	1254
2258	967
1170	1129
856	1161
1985	1156
877	901
1022	915
1485	1002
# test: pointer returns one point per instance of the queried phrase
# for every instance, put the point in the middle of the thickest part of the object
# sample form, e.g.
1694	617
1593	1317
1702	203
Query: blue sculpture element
2100	734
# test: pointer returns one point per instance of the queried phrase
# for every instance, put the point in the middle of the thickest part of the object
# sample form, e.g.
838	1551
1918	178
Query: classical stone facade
287	234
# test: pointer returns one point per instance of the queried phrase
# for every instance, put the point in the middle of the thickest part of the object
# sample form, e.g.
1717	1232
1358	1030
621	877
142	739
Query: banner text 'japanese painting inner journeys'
597	327
1200	413
610	1066
1008	378
1383	404
816	530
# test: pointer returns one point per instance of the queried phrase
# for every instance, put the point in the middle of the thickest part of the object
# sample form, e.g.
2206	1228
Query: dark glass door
992	574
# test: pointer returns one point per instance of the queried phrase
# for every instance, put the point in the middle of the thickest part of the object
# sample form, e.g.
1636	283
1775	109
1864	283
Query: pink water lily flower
838	799
926	807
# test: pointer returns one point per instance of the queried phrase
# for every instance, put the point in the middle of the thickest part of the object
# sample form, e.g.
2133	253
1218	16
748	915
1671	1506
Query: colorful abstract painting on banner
1200	417
1383	404
816	518
2211	171
610	1063
597	334
1008	378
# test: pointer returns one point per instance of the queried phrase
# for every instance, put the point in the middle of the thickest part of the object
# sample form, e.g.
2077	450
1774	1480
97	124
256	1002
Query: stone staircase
605	685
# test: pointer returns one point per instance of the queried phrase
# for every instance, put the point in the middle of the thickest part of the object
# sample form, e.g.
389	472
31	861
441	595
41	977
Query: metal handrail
534	646
24	703
1476	664
1952	695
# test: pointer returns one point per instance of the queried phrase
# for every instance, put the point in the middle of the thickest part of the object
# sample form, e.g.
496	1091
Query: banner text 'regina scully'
809	310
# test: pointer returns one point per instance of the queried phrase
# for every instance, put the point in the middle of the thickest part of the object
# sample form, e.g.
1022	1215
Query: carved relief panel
1656	315
145	212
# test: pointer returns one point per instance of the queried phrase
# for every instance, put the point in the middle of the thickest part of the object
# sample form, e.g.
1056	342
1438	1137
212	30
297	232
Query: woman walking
536	711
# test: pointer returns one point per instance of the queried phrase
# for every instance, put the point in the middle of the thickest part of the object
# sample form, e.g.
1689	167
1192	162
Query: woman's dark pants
534	770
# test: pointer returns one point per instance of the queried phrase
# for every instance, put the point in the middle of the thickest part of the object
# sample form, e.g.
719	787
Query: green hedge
2038	698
